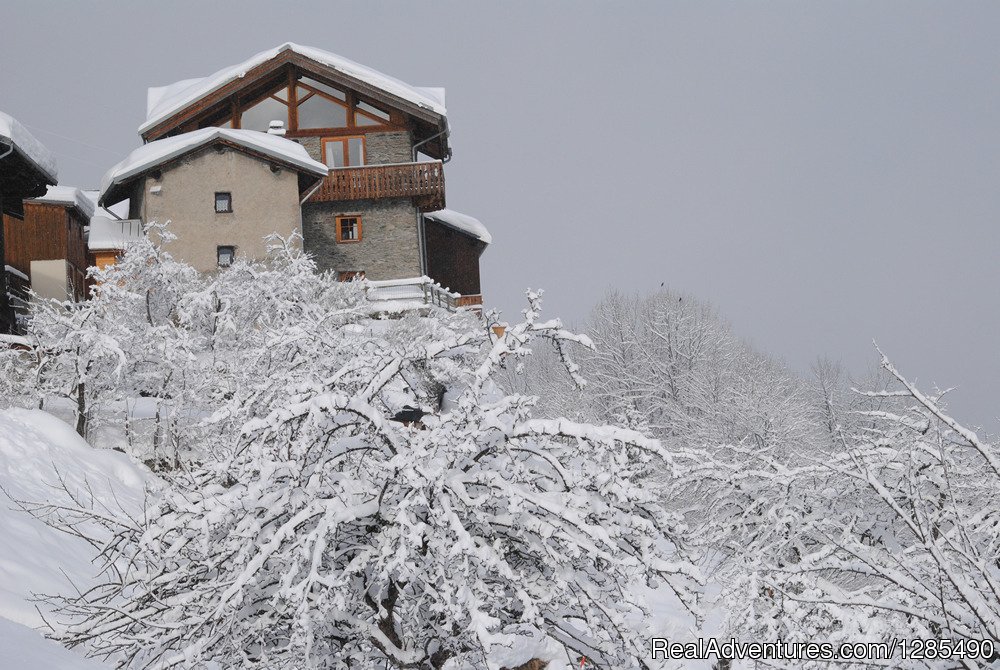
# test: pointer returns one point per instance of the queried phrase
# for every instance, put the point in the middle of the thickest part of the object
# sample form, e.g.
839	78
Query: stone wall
389	246
380	148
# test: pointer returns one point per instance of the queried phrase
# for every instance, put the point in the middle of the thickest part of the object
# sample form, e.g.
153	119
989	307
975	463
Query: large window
344	151
260	115
348	229
316	106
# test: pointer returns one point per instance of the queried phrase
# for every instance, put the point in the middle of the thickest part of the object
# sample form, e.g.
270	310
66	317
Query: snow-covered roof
165	101
462	223
153	154
116	211
107	234
68	195
13	133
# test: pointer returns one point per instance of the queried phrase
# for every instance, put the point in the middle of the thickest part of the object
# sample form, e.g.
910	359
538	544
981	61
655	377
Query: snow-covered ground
37	450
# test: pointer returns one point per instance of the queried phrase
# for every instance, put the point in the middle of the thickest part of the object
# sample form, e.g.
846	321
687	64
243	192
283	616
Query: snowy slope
24	649
36	450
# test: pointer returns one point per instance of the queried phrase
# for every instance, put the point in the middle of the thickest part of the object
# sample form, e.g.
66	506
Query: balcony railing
419	290
424	182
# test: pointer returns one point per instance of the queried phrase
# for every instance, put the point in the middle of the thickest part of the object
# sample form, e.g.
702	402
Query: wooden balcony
424	182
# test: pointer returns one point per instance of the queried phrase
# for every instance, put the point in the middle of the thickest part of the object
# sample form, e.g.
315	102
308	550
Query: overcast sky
825	174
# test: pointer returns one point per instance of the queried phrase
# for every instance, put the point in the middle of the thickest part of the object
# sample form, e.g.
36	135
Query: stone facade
264	201
380	148
389	246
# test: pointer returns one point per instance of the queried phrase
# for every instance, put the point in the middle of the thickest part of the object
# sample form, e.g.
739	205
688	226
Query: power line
70	139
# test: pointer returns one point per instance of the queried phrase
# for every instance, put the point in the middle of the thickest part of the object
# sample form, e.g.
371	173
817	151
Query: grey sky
825	174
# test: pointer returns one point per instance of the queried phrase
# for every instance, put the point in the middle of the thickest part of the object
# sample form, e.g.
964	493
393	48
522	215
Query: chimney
276	127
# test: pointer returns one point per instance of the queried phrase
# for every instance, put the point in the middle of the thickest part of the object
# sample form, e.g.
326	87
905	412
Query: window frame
288	87
339	229
229	200
350	275
345	140
218	255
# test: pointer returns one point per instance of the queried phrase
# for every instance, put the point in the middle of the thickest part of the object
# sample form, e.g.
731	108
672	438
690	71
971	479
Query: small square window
348	228
226	255
224	202
350	275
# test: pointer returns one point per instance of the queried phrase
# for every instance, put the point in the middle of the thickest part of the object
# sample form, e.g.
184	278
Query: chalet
26	169
378	210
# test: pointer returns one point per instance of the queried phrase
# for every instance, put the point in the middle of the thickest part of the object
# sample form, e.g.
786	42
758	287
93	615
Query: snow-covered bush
894	536
305	527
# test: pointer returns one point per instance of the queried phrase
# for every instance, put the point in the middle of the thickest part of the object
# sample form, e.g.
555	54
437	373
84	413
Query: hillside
38	450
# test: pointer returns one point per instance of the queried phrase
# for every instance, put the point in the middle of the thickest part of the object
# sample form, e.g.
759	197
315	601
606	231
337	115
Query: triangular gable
171	107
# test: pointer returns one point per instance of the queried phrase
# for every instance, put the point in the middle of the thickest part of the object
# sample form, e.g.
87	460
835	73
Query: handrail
418	289
423	180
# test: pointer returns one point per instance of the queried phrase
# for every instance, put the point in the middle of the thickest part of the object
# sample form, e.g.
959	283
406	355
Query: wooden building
26	169
384	143
48	245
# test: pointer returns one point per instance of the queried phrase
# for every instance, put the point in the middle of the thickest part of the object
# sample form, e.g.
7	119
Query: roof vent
276	127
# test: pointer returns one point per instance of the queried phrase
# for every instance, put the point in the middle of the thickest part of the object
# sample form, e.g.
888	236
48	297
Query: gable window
348	229
301	103
344	151
350	275
260	115
225	255
223	202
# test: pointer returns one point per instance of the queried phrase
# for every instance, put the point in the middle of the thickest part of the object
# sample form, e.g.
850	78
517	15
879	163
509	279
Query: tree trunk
81	410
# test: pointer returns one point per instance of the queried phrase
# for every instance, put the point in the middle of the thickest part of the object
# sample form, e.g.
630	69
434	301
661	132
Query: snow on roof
118	210
148	156
13	133
462	223
165	101
107	234
68	195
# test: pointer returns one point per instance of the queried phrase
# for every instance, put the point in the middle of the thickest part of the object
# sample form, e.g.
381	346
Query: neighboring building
107	240
223	191
370	216
49	245
26	169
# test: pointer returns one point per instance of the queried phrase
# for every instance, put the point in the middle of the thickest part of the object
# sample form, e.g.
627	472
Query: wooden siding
424	182
48	232
453	259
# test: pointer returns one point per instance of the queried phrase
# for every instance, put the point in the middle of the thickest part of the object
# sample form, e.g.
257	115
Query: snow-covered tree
894	536
315	530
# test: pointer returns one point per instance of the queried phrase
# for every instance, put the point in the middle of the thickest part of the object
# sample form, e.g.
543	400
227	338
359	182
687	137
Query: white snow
117	211
36	449
162	102
155	153
112	234
22	648
462	223
13	133
17	273
68	195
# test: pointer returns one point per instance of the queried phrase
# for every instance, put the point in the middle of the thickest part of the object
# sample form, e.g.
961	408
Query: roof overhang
20	178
